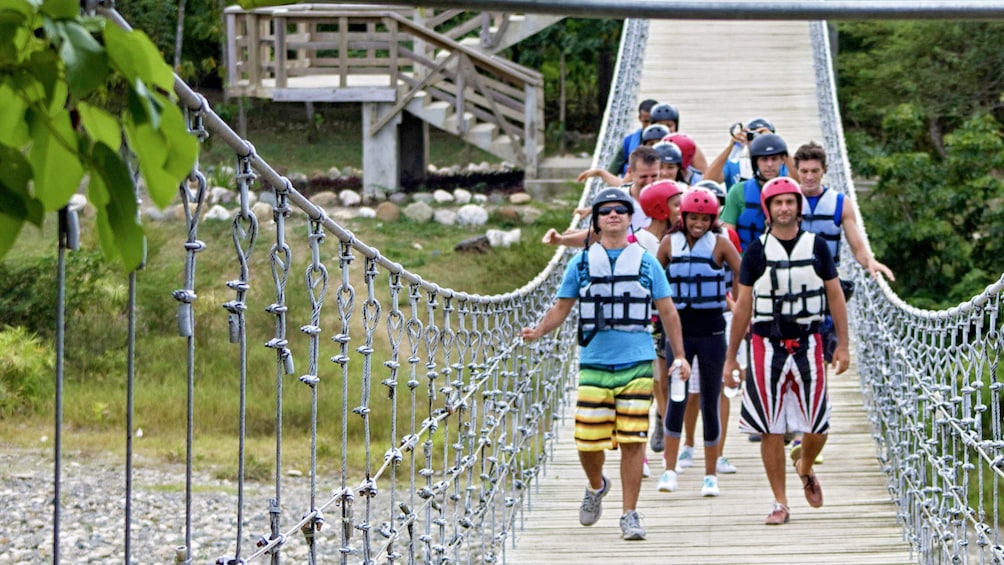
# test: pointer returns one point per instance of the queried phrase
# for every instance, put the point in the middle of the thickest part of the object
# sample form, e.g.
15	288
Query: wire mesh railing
932	387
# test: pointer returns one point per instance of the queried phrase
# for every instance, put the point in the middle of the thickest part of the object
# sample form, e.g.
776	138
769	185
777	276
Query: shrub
26	371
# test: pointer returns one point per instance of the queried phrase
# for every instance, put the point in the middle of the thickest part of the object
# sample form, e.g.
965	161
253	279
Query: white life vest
696	280
614	299
823	221
789	289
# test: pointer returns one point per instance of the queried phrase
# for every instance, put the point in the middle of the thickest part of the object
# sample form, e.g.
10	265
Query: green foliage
54	60
26	365
922	107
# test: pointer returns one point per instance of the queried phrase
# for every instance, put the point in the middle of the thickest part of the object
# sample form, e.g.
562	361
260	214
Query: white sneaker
645	471
710	486
686	459
724	467
667	482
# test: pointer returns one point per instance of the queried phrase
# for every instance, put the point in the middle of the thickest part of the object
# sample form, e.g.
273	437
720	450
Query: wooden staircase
440	67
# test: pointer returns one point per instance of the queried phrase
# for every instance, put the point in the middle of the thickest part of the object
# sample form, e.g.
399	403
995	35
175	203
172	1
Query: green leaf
144	106
61	9
18	9
53	157
12	119
165	155
85	60
136	57
16	200
9	228
102	126
118	228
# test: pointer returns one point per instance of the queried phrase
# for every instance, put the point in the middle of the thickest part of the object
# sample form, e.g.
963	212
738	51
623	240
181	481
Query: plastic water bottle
731	392
677	387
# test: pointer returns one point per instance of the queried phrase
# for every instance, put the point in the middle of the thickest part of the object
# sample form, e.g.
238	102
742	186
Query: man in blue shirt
615	283
632	140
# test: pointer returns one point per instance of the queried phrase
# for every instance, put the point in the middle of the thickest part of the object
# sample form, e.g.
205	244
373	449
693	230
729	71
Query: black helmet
757	123
654	132
669	152
610	194
665	113
764	146
714	187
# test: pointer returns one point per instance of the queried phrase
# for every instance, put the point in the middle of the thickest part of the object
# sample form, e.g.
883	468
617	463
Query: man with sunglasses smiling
615	284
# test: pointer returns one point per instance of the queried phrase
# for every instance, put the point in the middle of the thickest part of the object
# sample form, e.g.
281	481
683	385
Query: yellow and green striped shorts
612	406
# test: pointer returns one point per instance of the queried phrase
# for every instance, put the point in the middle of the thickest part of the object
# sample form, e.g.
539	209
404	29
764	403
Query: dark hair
646	105
644	154
811	151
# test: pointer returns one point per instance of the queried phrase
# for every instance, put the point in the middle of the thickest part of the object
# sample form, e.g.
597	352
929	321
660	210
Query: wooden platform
720	72
857	523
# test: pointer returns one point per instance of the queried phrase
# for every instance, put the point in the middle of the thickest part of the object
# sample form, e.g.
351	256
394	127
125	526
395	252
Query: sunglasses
621	210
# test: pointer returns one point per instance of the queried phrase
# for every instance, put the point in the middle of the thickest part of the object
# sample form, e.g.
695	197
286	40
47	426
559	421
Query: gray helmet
669	152
714	187
654	132
610	194
665	113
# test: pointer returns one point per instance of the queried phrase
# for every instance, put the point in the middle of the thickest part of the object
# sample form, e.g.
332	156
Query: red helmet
654	198
774	187
699	201
686	145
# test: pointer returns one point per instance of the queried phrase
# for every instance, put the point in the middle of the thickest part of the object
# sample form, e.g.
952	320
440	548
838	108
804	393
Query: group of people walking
670	258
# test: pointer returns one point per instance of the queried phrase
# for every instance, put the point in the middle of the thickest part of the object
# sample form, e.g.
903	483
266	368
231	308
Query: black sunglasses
620	209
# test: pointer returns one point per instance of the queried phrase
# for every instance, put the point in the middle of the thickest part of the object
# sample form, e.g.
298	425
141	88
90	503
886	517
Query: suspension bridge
477	459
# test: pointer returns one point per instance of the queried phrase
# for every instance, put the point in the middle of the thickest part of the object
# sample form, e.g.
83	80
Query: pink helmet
774	187
654	199
686	145
700	201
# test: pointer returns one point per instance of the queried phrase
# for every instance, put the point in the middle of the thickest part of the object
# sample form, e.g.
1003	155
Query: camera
751	135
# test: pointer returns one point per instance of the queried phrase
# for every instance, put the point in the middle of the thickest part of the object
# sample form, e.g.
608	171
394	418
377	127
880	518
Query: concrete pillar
381	168
412	134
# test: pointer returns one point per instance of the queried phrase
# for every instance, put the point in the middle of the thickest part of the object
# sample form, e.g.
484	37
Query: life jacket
696	280
825	220
750	224
789	289
614	299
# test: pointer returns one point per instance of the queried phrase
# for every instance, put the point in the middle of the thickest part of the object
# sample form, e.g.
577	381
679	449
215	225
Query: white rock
366	212
495	237
217	212
263	211
423	197
416	245
139	432
479	198
445	217
461	196
294	473
530	214
520	198
472	215
267	197
418	212
334	173
502	238
221	195
442	197
349	197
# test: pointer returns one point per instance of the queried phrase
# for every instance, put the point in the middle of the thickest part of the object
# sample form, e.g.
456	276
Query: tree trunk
178	37
937	137
604	74
561	105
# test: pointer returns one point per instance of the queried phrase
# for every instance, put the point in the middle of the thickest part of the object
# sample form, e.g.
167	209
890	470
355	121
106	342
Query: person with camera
733	164
787	282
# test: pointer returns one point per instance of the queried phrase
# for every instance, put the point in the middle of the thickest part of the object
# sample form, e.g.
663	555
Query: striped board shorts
786	390
613	405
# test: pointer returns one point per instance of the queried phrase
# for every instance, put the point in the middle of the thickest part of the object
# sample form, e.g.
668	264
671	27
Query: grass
95	383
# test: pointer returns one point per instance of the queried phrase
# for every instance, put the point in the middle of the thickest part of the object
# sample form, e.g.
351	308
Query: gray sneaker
631	526
658	439
592	504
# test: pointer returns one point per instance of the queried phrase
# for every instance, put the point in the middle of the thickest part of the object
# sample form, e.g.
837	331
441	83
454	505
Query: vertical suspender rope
279	261
186	314
316	278
395	333
69	238
414	333
370	315
345	300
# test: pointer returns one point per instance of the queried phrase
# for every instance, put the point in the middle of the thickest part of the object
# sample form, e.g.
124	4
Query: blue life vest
614	299
696	280
750	223
825	219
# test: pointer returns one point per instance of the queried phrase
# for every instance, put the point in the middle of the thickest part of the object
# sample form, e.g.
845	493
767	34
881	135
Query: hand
684	370
730	367
551	237
841	359
588	173
874	267
530	334
583	212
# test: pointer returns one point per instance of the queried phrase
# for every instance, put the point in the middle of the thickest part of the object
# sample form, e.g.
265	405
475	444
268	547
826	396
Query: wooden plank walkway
717	73
720	72
857	523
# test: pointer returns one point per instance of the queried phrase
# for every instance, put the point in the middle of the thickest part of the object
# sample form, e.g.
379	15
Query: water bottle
677	387
731	392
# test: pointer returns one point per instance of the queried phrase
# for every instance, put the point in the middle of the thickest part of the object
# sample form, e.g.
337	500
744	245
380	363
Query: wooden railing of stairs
316	52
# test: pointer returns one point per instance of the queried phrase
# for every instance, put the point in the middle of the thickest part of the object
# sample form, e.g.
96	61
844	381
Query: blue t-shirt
617	347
